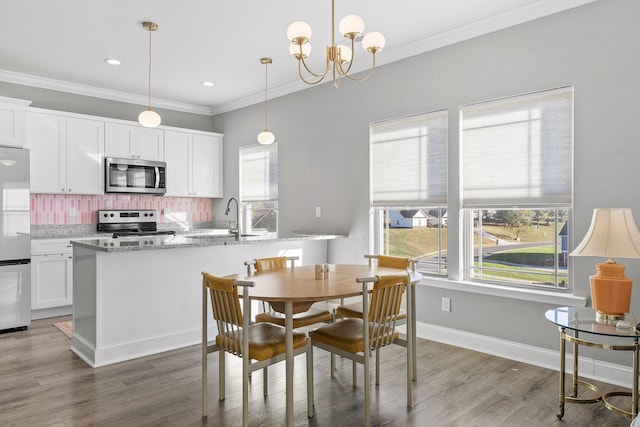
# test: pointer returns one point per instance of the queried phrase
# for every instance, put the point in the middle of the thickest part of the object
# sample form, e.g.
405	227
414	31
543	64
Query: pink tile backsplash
54	208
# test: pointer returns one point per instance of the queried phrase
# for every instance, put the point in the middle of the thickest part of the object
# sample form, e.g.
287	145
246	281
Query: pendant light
149	118
266	136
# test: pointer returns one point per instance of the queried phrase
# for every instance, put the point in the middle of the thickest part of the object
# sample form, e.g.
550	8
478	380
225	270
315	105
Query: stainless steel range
130	223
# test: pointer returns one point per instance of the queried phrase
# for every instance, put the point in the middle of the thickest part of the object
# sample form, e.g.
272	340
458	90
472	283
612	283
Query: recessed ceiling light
112	61
207	84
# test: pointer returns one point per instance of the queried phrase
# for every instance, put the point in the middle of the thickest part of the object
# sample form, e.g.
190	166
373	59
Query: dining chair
262	345
355	339
307	316
354	310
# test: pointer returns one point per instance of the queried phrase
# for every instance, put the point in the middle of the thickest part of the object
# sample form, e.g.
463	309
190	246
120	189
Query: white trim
45	313
593	369
525	294
96	92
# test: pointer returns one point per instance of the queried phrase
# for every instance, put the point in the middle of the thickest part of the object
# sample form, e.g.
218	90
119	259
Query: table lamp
612	234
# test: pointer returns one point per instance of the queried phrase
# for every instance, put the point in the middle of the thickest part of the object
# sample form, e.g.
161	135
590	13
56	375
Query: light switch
318	211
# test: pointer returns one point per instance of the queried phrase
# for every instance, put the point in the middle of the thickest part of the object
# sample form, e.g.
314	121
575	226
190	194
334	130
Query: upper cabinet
134	142
194	164
66	154
12	118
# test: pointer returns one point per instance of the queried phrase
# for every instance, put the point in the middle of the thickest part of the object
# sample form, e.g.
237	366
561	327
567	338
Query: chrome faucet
235	231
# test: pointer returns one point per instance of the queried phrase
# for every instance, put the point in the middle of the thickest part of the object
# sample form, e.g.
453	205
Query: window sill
533	295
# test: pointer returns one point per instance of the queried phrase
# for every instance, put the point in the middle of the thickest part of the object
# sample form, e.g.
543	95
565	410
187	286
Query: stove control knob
105	215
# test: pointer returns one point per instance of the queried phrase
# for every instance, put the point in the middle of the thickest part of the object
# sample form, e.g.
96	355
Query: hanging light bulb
149	118
266	136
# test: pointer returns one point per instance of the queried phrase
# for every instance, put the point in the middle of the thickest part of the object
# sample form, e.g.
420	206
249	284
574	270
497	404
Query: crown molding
96	92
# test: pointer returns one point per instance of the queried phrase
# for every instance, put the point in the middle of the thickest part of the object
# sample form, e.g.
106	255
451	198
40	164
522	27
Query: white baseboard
45	313
587	367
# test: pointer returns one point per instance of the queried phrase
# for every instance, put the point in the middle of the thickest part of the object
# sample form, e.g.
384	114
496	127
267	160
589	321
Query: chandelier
149	118
339	57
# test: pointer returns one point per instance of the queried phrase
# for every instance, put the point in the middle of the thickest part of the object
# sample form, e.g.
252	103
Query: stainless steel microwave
135	176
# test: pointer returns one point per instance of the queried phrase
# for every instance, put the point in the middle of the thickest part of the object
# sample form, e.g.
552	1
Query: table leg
288	312
410	347
414	333
634	392
574	388
563	346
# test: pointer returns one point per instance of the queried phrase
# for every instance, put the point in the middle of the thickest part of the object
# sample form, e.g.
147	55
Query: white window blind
409	160
259	173
518	151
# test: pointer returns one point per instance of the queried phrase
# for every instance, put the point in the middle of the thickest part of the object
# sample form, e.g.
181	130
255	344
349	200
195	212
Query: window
409	189
259	187
516	189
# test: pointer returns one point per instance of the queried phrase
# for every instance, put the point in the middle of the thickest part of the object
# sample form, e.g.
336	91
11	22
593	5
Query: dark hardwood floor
42	383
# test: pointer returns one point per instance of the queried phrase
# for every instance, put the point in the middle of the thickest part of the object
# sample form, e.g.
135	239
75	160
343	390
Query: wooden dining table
293	290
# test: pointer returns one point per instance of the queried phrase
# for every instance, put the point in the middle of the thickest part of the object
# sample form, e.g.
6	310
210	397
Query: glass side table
573	321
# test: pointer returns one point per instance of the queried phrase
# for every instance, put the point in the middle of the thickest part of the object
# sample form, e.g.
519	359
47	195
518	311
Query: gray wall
324	156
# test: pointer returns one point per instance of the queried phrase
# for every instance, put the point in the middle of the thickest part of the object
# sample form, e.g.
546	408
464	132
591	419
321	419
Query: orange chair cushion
266	340
355	310
347	335
299	319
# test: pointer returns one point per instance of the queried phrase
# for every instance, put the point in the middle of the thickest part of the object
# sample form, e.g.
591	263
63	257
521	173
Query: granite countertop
190	240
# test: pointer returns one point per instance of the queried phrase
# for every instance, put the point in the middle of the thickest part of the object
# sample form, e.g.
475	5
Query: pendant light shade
266	136
149	118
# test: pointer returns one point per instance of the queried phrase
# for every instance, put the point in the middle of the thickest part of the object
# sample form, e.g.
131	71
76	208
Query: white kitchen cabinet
66	154
134	142
51	276
194	164
12	119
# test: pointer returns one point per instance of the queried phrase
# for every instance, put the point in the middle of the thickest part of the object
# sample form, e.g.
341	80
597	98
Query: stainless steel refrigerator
15	240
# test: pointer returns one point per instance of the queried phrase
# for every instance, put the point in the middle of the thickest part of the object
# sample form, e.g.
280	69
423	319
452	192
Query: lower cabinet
51	278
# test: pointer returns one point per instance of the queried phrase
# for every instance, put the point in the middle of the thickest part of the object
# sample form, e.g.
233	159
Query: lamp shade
373	42
612	234
149	118
298	30
351	24
266	137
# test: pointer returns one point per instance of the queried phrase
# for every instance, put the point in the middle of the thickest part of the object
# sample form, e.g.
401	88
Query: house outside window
259	187
516	192
408	166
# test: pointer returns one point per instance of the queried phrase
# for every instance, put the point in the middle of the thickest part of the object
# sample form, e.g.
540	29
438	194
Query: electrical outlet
446	304
318	211
72	211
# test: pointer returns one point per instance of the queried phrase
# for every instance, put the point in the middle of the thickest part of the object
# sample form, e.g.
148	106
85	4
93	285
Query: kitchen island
137	296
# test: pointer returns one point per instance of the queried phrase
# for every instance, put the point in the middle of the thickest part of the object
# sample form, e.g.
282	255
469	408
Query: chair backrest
392	261
275	263
225	305
384	307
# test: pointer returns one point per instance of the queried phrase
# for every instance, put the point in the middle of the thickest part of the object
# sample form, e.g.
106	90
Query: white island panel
136	303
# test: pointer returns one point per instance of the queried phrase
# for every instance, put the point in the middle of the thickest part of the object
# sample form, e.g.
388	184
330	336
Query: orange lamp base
610	291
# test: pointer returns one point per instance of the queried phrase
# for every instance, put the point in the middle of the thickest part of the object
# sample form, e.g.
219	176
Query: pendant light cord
149	89
266	66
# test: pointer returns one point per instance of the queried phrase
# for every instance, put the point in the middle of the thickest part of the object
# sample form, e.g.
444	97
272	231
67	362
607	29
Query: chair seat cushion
266	340
299	319
348	335
355	310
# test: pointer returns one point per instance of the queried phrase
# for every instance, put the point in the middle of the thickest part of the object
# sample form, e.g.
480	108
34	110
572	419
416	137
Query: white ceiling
62	44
